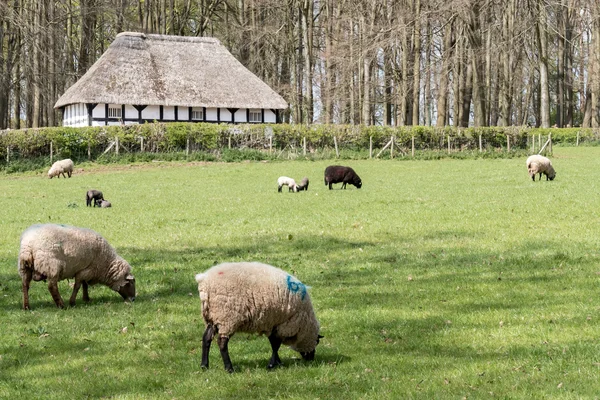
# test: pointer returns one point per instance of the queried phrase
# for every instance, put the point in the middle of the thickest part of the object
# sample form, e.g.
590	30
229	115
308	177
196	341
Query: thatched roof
166	70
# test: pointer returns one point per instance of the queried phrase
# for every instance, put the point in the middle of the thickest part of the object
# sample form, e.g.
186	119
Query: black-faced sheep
56	252
289	182
94	195
303	184
338	173
537	164
256	298
61	167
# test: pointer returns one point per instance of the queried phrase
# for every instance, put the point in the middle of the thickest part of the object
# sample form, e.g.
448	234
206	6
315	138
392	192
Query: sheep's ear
130	277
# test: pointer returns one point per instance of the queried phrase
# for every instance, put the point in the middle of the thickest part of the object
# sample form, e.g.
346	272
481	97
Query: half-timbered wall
117	114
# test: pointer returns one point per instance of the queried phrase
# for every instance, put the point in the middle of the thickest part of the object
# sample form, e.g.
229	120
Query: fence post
89	151
413	146
304	146
539	139
480	144
550	141
448	143
187	147
270	144
51	152
508	143
578	139
229	141
116	145
7	154
337	153
141	144
532	143
370	146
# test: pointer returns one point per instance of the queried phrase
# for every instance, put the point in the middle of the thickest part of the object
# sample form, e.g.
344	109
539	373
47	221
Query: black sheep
337	174
95	195
303	185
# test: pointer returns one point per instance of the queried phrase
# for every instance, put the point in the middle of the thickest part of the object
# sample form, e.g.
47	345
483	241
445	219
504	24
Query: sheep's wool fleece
61	166
255	298
538	163
61	252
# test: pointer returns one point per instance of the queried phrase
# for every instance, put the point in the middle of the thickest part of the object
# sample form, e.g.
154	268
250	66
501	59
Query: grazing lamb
61	167
303	184
542	165
289	182
56	252
337	174
256	298
94	195
105	204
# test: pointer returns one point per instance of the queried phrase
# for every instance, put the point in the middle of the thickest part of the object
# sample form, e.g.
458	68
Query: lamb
542	165
289	182
105	204
337	174
303	184
56	252
95	195
256	298
61	167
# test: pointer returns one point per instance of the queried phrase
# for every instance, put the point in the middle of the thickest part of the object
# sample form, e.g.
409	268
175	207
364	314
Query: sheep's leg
207	338
344	185
223	341
86	296
26	282
330	188
53	288
275	345
279	188
75	290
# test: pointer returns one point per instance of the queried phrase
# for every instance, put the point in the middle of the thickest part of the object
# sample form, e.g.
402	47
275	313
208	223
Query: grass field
437	279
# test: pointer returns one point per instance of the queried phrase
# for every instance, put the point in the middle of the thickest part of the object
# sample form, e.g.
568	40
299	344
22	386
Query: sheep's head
357	182
551	173
310	355
127	290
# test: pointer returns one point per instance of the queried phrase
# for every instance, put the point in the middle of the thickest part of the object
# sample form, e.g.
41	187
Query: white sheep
256	298
105	204
56	252
61	167
289	182
542	165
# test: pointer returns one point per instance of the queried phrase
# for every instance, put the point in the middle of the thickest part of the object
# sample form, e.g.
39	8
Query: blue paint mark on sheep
295	286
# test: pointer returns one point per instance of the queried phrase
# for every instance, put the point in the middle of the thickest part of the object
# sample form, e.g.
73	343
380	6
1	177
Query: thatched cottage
143	78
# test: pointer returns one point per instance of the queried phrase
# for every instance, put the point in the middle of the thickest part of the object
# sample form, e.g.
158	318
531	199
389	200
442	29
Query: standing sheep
94	195
303	184
289	182
542	165
61	167
337	174
56	252
256	298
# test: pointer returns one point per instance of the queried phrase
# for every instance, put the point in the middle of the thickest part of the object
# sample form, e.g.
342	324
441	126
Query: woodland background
372	62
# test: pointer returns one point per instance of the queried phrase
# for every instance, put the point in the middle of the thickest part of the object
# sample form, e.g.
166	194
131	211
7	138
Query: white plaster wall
130	111
211	114
183	113
169	113
151	112
98	111
240	115
225	115
270	117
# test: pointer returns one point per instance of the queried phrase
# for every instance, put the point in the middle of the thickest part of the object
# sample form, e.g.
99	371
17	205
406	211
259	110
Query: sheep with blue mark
256	298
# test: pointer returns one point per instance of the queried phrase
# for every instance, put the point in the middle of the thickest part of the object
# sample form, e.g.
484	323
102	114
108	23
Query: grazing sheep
56	252
256	298
61	167
303	184
542	165
105	204
289	182
337	174
95	195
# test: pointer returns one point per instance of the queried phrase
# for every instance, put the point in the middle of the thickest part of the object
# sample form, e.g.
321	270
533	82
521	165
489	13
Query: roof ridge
169	38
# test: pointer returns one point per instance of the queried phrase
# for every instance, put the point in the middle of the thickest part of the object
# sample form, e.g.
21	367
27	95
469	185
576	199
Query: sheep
303	184
95	195
61	167
542	165
337	174
256	298
289	182
56	252
105	204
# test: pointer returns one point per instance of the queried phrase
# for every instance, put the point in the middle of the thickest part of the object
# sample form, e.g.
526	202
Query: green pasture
438	279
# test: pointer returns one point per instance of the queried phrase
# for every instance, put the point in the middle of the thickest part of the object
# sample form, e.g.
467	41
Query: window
197	114
114	112
255	116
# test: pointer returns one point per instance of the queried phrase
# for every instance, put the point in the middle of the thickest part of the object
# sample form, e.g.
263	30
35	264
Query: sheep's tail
200	277
25	260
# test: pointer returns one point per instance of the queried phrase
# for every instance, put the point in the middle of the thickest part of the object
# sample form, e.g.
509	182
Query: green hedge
92	142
